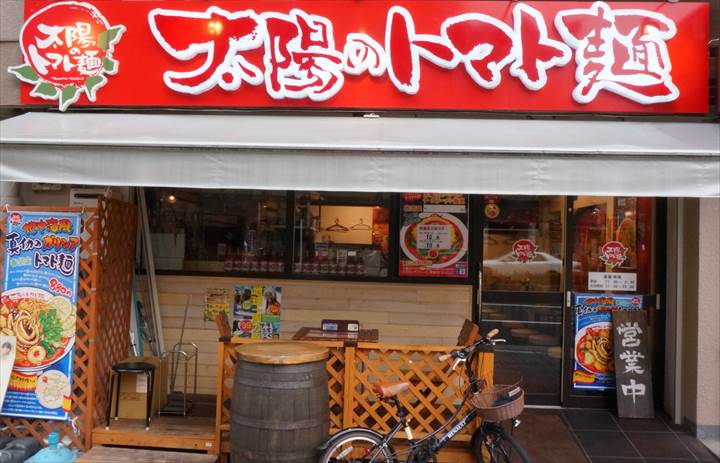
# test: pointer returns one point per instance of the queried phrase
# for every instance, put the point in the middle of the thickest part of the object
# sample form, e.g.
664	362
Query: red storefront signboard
634	57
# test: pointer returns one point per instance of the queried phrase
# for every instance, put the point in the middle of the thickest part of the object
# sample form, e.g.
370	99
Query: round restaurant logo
67	48
524	250
613	253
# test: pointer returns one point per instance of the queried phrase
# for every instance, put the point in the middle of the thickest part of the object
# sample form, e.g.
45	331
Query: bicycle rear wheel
496	446
358	447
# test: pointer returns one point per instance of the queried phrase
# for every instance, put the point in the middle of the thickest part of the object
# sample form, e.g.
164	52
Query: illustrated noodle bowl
27	330
21	317
594	350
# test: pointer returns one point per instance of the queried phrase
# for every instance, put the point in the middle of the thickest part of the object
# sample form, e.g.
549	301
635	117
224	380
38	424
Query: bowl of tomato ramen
43	323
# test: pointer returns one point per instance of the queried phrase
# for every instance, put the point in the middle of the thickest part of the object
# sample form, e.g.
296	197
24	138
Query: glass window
343	234
523	243
218	230
612	244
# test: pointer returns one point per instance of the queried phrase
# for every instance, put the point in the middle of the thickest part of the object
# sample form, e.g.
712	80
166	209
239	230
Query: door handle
479	291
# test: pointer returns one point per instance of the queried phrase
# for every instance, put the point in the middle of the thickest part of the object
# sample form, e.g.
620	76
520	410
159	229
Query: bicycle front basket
499	402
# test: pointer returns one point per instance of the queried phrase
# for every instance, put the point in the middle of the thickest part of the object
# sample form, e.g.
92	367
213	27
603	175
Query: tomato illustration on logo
67	48
613	253
524	250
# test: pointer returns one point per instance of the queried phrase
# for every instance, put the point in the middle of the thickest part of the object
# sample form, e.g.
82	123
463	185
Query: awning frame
671	159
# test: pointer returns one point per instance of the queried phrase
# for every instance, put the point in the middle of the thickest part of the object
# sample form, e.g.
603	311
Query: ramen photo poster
38	306
594	366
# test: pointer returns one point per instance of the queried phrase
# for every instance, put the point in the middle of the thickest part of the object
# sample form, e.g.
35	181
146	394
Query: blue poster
39	307
594	367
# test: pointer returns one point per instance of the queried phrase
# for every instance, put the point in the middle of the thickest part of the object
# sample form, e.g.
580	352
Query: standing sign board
632	365
576	56
38	306
594	365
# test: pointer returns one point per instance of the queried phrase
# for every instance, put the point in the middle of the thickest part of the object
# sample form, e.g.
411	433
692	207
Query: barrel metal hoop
254	423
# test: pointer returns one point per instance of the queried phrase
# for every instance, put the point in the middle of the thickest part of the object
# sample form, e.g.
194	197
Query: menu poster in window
256	312
217	300
38	306
434	235
594	367
632	372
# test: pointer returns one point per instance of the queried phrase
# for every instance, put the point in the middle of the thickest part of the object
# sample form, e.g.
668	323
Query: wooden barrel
280	403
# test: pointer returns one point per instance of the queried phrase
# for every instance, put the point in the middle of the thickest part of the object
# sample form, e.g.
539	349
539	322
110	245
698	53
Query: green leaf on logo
103	40
25	72
44	90
110	36
92	84
68	96
110	65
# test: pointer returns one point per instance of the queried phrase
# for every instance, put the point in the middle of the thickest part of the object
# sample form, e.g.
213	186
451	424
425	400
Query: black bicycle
490	442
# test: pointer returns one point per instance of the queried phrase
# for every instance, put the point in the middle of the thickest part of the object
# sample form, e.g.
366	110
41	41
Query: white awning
502	156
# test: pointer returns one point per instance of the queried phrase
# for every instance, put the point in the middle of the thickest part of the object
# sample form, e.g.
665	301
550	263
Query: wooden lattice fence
103	311
435	389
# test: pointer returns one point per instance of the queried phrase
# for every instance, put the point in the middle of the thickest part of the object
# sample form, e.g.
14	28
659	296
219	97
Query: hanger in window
361	226
337	227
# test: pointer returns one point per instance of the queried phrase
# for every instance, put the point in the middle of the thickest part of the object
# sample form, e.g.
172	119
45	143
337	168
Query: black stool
135	368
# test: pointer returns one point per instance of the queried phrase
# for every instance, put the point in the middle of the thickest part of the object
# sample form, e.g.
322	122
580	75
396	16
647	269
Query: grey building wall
11	19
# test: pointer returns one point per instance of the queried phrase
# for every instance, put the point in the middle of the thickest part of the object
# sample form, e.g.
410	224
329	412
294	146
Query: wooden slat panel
103	454
403	313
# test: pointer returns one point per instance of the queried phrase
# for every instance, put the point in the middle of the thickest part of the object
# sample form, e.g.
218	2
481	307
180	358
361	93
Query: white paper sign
452	208
435	236
141	383
606	281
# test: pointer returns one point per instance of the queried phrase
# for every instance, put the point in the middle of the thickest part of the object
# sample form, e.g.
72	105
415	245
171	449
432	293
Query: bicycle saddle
387	390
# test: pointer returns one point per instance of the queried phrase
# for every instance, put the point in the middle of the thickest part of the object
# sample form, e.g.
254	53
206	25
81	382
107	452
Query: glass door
521	288
611	247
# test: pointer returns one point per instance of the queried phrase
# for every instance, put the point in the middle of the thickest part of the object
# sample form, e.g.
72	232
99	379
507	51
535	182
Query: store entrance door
521	286
612	249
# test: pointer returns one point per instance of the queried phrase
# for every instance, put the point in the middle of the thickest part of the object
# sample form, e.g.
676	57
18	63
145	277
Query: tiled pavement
605	438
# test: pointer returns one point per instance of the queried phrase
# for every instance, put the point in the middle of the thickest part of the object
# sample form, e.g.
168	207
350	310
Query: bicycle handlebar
464	353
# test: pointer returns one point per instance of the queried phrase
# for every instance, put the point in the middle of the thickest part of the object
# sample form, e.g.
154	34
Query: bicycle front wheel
358	447
497	446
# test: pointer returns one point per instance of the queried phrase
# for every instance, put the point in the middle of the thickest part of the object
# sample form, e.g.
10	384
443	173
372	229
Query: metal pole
150	268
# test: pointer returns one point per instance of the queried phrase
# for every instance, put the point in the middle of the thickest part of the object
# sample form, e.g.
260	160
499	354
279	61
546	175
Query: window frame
394	205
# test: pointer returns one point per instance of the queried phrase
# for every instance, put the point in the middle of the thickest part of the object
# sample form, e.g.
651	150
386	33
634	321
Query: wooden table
102	454
316	334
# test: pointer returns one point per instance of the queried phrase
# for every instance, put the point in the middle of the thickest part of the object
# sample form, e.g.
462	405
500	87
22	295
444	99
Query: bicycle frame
436	446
